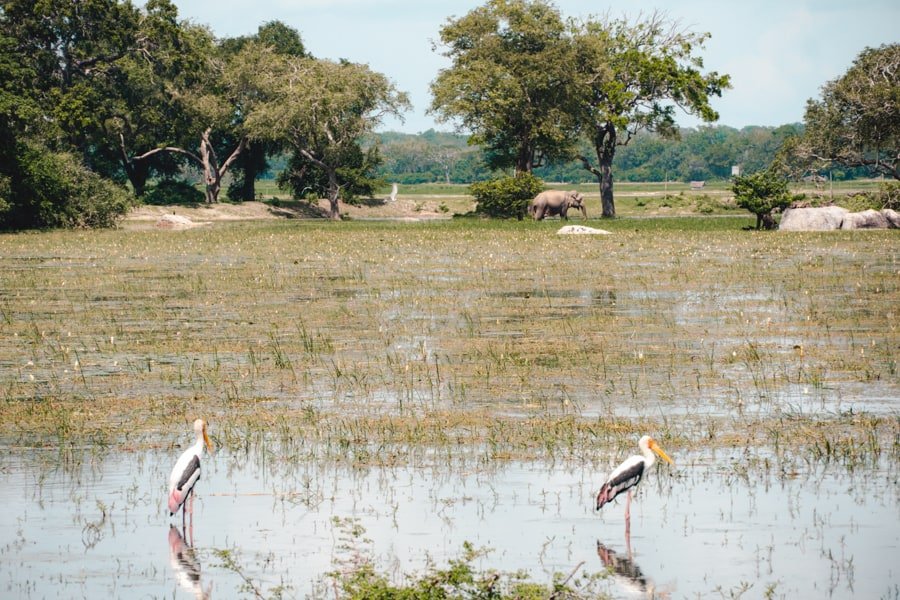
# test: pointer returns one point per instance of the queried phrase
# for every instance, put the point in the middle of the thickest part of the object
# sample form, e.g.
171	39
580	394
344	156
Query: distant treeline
705	153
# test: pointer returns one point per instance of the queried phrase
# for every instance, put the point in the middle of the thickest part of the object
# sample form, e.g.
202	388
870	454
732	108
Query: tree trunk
250	171
334	194
208	160
524	160
136	169
605	147
138	173
212	172
606	190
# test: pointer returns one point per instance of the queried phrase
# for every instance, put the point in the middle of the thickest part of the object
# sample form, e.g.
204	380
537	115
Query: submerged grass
381	343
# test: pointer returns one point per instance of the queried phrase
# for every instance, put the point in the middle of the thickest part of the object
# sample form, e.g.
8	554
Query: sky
779	53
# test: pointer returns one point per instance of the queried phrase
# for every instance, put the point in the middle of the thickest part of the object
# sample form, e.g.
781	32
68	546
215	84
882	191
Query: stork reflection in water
186	566
627	572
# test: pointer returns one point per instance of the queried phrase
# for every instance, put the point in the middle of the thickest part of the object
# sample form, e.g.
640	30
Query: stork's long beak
659	451
206	440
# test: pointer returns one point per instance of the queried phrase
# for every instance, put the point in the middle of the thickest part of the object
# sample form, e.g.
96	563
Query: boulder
174	222
893	217
823	218
581	230
867	219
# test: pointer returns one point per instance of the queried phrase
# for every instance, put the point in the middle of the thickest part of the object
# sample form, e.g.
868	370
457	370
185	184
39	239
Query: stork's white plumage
629	474
186	471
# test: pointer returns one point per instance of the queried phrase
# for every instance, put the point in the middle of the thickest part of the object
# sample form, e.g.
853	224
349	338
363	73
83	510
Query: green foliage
857	121
321	110
510	81
506	197
886	196
355	176
54	189
761	193
173	191
633	76
458	581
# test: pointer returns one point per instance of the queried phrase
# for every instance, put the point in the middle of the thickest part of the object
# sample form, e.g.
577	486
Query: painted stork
187	471
627	475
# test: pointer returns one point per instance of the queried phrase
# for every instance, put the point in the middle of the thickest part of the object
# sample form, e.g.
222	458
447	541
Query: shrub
172	191
55	189
762	193
506	197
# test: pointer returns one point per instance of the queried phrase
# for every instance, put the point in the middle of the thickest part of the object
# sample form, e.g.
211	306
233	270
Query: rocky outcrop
827	218
867	219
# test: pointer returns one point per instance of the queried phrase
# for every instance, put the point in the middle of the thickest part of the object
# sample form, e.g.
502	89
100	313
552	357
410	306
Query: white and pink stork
627	475
186	472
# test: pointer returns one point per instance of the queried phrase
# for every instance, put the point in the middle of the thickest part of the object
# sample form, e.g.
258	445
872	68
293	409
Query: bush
886	196
55	189
762	193
172	191
506	197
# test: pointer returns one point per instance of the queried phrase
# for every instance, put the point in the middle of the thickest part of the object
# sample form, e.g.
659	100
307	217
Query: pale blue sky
778	52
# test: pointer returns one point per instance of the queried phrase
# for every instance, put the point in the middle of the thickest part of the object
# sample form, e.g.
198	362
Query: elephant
556	202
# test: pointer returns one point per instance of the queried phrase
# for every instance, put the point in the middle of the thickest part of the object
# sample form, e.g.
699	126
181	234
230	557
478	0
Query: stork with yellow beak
627	475
187	471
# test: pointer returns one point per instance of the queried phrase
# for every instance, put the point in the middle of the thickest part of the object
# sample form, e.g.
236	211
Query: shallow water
698	529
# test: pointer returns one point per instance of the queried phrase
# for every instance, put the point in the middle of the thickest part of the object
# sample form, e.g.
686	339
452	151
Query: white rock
174	222
581	230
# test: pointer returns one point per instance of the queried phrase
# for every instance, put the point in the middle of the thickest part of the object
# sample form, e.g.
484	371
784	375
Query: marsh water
392	393
101	530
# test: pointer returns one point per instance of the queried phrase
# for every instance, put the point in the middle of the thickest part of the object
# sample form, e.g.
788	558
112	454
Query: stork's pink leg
628	515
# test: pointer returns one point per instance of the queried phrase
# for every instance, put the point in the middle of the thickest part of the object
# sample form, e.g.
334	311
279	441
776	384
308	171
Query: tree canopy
856	123
321	110
528	85
634	76
510	80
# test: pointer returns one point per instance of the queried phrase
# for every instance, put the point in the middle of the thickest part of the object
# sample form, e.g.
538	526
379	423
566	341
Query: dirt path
183	217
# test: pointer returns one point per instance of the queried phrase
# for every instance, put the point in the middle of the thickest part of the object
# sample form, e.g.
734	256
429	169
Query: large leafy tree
510	81
634	76
144	109
321	110
253	161
856	123
57	61
72	49
218	103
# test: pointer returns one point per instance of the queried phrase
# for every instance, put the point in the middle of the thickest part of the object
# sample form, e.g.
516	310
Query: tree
219	102
55	63
143	111
633	76
253	161
509	82
761	193
321	110
857	121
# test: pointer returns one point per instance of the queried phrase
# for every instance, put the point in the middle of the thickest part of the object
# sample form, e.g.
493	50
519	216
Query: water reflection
627	572
185	563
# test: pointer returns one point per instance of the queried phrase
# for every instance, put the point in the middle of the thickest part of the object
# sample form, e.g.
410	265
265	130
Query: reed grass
381	342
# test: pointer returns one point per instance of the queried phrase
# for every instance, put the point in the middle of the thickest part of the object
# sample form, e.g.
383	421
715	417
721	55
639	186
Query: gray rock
823	218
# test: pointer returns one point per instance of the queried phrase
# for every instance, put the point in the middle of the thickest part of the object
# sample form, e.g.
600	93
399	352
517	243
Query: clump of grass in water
358	578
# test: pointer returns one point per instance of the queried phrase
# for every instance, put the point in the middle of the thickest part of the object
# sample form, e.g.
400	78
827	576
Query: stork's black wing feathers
192	467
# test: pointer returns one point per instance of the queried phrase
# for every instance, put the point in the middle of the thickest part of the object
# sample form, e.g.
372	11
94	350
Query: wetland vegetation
443	364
